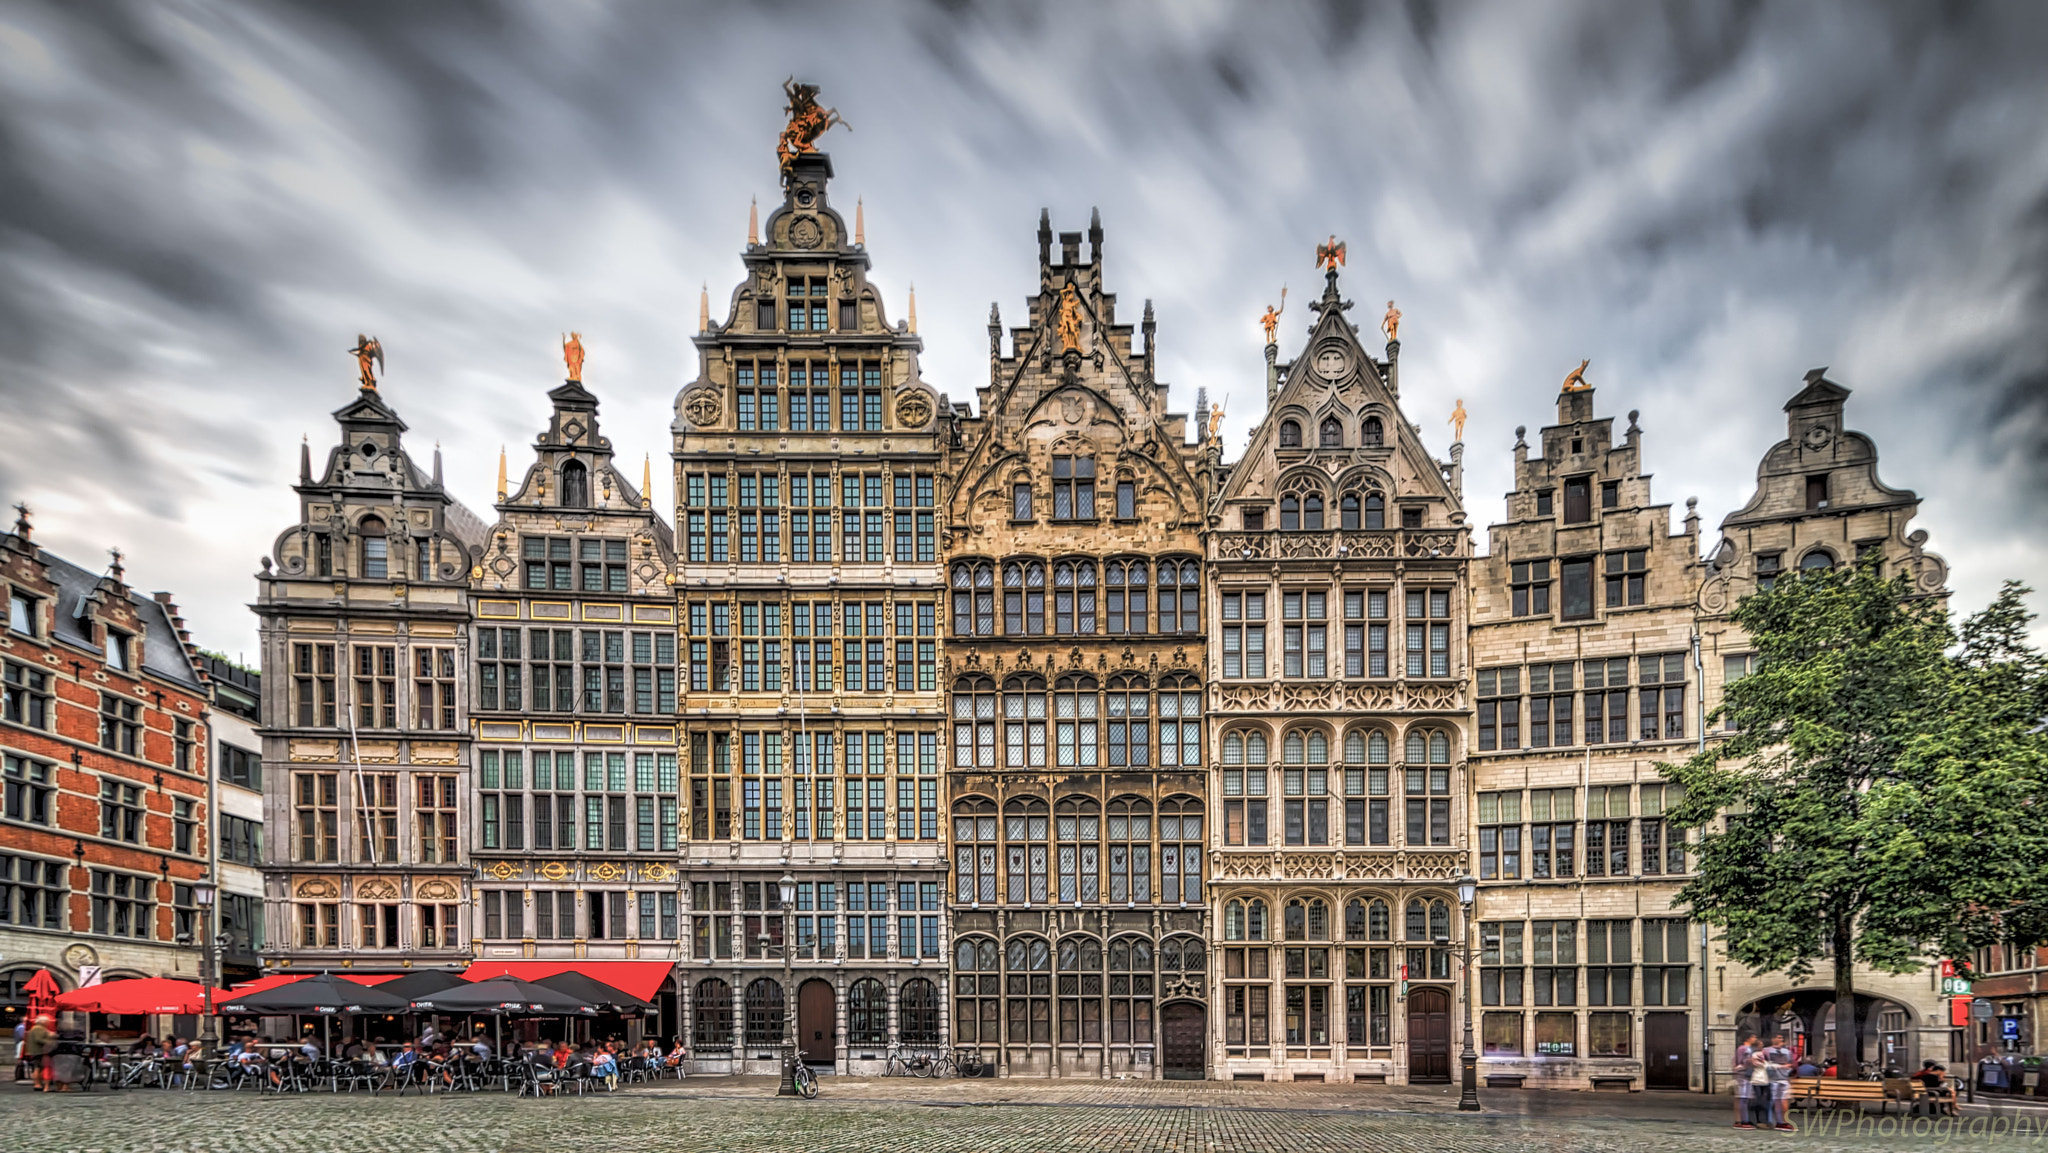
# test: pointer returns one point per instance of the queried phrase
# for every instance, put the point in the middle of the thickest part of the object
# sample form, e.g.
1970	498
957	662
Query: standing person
1778	1065
1743	1053
39	1042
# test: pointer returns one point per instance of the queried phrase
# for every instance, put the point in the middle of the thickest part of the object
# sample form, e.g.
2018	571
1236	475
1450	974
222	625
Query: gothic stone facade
578	798
1075	657
1338	659
364	623
807	475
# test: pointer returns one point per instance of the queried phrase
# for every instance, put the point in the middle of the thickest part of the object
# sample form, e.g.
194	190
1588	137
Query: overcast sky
201	204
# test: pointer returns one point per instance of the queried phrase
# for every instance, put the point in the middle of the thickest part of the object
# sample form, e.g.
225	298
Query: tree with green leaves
1872	777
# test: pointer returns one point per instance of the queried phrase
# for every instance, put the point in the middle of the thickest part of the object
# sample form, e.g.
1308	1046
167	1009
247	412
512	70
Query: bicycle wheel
806	1083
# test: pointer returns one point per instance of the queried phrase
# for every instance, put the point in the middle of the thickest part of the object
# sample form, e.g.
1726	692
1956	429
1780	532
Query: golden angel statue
1070	318
1457	421
1215	420
1331	254
1271	320
1391	324
572	355
807	122
367	350
1577	382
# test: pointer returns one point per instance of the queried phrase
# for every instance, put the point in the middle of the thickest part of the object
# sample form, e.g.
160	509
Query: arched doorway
817	1025
1183	1041
1807	1019
1429	1036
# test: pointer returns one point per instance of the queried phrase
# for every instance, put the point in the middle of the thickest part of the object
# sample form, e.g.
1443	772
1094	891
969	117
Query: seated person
604	1065
1934	1083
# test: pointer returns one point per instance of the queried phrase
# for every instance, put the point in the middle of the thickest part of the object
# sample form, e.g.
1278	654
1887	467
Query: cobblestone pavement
870	1116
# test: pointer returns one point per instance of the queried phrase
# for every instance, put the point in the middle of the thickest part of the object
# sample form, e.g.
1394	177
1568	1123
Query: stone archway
1807	1018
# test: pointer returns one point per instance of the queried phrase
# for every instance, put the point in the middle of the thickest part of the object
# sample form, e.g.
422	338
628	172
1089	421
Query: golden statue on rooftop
1576	381
367	350
572	355
1331	254
1391	323
807	122
1457	421
1271	320
1070	318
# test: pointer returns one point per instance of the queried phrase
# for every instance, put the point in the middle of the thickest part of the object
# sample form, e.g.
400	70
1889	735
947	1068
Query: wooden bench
1815	1092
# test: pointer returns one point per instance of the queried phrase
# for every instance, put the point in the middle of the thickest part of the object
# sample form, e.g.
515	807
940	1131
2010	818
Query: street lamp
1468	1090
788	1086
203	894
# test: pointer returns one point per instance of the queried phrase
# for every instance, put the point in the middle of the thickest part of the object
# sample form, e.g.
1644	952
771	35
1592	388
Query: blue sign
2009	1027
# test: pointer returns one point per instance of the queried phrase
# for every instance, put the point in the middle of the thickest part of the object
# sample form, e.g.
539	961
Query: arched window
1354	920
711	1007
764	1012
1077	729
1180	722
1184	955
1318	919
1379	921
974	850
1233	921
1375	511
1439	920
1418	920
1294	921
1418	747
1180	584
575	485
1255	748
1815	560
977	991
974	723
1375	434
1354	748
1073	597
1290	434
918	1012
1331	435
1130	850
974	599
1318	749
1130	991
1126	596
1347	511
1078	826
1025	825
1291	748
1439	748
1024	722
867	1013
1030	966
376	548
1312	512
1376	748
1024	599
1290	513
1233	748
1180	850
1255	921
1130	722
1080	965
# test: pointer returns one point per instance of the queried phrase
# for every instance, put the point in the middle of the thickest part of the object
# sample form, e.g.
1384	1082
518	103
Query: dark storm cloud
202	203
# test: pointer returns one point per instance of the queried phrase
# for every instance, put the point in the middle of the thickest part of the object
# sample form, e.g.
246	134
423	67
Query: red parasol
142	995
42	990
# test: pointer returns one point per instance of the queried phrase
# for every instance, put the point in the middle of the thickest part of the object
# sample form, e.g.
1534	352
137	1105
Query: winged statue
1330	254
367	350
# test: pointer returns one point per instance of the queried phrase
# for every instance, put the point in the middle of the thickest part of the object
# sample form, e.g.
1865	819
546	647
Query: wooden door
1429	1036
817	1022
1184	1033
1664	1064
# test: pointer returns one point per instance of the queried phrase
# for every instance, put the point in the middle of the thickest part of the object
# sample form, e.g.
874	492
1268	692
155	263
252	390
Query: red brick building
103	828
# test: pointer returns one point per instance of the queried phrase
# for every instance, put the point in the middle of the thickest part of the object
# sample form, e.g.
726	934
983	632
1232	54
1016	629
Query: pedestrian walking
1743	1053
1778	1068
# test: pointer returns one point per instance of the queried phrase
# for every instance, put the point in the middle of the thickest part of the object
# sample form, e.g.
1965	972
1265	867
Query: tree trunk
1848	1045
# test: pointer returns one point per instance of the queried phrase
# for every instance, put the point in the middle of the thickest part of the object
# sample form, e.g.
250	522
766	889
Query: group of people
1763	1083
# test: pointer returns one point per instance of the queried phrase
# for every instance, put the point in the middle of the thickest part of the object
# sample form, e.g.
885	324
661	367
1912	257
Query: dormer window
21	614
1375	434
116	649
1578	500
575	485
764	315
1817	491
376	549
1332	434
1290	434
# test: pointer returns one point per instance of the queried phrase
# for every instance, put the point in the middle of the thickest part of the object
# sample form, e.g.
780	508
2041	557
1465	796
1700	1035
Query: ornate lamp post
788	1086
1468	1090
203	893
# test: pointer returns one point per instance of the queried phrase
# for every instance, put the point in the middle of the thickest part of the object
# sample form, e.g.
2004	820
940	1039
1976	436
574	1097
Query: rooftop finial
22	528
1330	254
808	120
704	308
114	569
305	460
913	307
367	349
572	355
1575	381
501	472
860	223
1271	321
753	221
646	481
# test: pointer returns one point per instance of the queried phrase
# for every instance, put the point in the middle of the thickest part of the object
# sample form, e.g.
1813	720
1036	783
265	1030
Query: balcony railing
1339	544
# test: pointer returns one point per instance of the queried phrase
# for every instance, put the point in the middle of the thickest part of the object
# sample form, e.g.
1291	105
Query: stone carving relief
913	409
702	407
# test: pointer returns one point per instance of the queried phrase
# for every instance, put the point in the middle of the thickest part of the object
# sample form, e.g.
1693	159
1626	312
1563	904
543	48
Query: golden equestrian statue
367	350
572	355
1070	318
1391	324
1271	320
1331	254
1577	381
807	122
1457	421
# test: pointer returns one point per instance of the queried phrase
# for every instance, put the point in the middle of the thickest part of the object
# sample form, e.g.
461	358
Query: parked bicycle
806	1081
914	1065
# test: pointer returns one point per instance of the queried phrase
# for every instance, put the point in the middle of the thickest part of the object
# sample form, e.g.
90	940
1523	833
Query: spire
1044	237
860	228
1095	236
995	330
114	568
704	308
753	222
646	481
501	472
305	460
437	464
913	308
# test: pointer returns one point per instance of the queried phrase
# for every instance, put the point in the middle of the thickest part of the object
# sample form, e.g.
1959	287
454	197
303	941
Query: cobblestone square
927	1117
